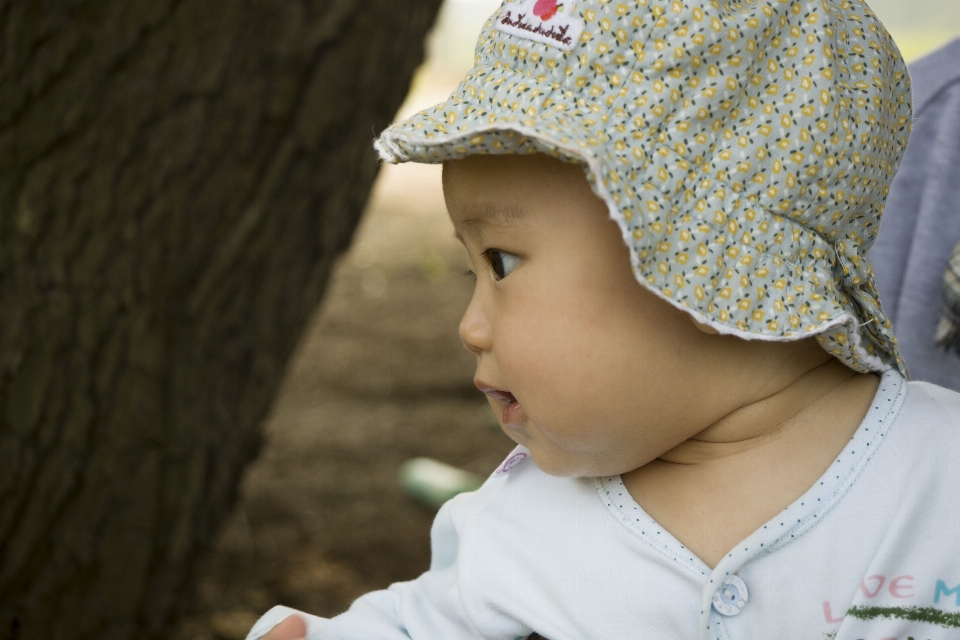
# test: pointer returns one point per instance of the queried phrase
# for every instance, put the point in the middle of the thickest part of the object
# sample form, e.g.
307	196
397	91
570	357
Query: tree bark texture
176	180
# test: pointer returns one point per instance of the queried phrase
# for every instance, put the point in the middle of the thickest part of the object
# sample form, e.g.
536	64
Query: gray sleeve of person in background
921	223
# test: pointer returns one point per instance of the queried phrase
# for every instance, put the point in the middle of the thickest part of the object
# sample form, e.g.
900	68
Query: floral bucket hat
745	148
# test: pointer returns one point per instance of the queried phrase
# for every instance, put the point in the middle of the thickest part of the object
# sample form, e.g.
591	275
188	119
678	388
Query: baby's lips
497	394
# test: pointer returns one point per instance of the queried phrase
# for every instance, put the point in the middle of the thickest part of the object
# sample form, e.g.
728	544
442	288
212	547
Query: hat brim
461	126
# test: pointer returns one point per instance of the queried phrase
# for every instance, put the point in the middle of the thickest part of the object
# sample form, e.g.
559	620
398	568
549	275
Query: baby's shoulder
931	409
519	495
925	439
945	398
518	483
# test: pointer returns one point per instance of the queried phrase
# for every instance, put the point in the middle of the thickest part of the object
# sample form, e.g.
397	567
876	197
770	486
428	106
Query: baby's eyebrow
488	214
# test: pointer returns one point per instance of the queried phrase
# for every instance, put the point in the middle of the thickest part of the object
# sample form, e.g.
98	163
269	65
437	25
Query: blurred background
381	377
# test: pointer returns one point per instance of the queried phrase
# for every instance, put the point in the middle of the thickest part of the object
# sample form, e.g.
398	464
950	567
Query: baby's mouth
511	408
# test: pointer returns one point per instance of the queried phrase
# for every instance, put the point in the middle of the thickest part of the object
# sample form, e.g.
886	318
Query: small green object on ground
433	482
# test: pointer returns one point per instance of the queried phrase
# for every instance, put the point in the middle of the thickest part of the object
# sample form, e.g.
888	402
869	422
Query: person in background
916	257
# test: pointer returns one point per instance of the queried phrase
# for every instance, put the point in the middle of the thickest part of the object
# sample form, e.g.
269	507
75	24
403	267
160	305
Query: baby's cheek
552	357
534	349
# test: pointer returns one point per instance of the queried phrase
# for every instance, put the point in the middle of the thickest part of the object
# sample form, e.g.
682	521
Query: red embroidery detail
546	9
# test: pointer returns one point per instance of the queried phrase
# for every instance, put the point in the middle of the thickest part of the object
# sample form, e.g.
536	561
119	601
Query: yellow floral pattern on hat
745	148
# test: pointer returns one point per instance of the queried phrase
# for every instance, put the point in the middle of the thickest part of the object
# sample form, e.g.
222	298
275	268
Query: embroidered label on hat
551	22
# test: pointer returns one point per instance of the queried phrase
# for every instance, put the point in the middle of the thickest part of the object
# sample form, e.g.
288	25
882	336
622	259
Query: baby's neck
715	489
773	416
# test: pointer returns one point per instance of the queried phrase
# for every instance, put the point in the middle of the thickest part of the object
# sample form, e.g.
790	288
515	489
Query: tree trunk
176	180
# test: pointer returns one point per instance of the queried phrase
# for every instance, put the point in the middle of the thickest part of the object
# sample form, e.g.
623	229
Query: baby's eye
502	262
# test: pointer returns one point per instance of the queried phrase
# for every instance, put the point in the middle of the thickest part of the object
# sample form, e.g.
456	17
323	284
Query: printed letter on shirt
828	614
866	590
942	588
902	587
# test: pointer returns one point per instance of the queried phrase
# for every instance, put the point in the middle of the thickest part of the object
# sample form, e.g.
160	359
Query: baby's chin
563	465
517	432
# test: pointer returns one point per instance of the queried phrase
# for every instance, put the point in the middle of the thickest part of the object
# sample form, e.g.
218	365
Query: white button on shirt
870	551
731	597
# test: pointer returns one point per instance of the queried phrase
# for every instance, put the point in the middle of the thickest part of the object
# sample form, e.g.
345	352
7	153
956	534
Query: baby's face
596	375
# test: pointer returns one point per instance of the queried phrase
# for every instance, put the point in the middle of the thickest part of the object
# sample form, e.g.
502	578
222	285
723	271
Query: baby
666	206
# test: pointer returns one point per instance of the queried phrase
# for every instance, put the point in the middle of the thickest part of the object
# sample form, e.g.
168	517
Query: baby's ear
705	328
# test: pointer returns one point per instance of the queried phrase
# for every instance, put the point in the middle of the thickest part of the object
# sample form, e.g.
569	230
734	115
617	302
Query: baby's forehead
505	189
474	215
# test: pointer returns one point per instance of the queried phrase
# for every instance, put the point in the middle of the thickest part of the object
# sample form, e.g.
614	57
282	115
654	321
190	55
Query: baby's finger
292	628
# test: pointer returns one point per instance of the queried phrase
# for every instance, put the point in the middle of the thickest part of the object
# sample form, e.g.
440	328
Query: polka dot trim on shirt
624	508
744	147
798	518
810	509
816	502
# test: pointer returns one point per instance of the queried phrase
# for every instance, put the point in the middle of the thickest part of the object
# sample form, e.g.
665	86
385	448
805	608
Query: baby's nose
474	329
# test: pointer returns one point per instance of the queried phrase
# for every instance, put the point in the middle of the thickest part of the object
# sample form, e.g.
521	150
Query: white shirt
871	551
